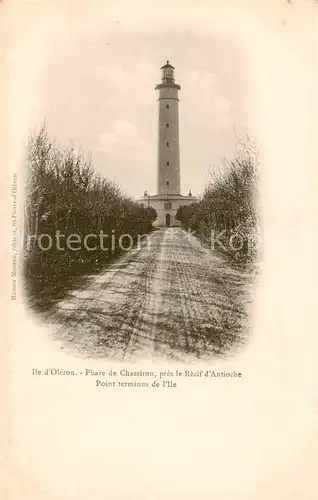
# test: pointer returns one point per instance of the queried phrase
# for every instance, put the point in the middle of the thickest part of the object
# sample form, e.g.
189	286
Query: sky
110	105
90	69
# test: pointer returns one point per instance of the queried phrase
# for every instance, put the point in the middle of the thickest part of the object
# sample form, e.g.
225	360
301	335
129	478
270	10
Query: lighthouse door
167	220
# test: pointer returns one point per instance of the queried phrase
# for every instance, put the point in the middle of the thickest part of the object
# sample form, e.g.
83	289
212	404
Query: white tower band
168	198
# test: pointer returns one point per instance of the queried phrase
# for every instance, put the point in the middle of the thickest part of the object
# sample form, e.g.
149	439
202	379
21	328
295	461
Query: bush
65	196
229	206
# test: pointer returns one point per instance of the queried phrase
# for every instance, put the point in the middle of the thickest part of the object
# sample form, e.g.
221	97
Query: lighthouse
168	198
168	166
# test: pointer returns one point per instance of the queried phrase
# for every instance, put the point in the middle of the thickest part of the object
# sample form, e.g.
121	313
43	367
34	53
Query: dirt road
171	300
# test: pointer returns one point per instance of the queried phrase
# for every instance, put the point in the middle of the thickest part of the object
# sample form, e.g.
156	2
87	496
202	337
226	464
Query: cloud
124	132
106	141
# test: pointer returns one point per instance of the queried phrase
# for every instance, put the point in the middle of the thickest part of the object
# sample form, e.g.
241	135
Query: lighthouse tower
168	198
168	133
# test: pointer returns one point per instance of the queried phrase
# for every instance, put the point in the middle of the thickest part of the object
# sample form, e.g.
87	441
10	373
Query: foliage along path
171	300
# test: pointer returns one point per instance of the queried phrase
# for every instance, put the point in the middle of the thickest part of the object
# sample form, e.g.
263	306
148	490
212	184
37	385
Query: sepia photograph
141	223
159	268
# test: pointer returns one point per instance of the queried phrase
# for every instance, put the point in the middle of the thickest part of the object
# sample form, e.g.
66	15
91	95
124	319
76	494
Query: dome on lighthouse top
167	65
